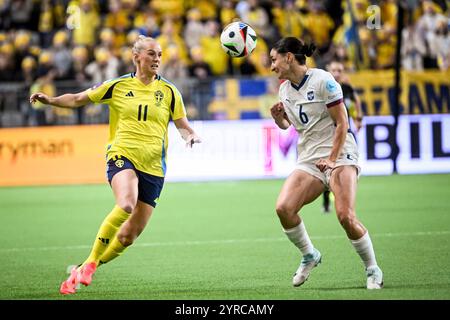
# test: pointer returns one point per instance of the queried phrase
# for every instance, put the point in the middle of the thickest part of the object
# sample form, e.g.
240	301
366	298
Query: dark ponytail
308	49
295	46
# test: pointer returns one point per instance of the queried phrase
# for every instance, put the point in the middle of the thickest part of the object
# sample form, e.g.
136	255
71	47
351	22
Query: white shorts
311	168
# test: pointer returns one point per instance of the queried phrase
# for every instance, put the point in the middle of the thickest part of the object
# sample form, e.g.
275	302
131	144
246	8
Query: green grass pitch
222	240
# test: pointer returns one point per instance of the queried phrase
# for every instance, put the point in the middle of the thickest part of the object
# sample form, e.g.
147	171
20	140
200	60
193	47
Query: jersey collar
301	82
157	77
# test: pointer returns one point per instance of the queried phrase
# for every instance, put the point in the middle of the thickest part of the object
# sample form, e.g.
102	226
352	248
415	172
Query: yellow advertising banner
421	92
53	155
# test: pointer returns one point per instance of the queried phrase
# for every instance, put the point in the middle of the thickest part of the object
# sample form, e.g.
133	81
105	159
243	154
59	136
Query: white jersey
306	107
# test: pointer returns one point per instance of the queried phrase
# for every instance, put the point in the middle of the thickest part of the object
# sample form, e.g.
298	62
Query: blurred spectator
257	17
227	12
247	68
86	22
321	36
426	27
212	51
22	44
104	67
194	28
110	40
62	55
41	114
260	58
126	61
51	18
132	37
388	10
169	37
386	43
172	9
147	22
440	44
7	65
173	68
46	24
199	68
208	9
288	19
20	14
29	70
201	94
339	53
80	59
412	49
120	21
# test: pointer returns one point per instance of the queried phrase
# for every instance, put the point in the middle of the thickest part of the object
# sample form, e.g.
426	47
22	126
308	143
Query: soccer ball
238	39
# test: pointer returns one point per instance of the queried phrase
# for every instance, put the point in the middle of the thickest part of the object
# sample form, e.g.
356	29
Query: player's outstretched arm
279	115
187	133
69	100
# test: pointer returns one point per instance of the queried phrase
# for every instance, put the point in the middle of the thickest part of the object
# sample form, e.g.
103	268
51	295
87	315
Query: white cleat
309	261
374	278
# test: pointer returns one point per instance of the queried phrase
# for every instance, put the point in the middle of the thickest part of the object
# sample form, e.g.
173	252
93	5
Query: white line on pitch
229	241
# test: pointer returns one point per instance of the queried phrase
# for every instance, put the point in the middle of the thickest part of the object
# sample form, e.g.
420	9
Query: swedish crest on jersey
159	96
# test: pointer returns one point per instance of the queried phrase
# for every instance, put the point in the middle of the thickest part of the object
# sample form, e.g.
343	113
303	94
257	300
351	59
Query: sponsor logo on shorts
119	163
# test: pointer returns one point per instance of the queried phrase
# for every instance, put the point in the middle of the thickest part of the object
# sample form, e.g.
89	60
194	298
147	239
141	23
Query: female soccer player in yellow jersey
141	105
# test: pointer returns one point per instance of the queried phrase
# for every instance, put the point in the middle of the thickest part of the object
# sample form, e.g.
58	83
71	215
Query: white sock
299	237
364	248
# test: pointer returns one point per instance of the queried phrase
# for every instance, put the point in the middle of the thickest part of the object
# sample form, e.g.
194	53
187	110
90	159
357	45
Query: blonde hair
139	43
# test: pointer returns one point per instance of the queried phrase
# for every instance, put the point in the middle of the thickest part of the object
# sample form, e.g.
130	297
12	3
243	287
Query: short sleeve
330	90
177	109
102	92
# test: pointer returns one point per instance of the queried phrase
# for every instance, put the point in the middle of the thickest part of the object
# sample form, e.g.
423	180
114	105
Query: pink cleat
70	285
87	272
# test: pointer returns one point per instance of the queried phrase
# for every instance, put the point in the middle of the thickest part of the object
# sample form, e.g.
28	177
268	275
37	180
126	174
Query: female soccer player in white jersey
141	104
311	100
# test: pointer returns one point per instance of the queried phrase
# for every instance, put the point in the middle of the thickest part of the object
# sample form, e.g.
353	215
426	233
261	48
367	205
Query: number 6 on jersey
302	115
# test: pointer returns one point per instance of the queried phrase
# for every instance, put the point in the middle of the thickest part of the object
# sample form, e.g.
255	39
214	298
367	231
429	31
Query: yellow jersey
139	116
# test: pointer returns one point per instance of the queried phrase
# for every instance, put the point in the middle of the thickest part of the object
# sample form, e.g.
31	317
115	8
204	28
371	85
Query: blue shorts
149	186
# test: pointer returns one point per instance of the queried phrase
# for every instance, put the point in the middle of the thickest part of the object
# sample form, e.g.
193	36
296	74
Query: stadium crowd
43	42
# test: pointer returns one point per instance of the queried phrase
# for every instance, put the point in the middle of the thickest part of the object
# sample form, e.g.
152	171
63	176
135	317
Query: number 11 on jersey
144	118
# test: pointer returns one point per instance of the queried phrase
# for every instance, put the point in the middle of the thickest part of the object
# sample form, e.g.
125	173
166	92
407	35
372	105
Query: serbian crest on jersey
159	96
310	95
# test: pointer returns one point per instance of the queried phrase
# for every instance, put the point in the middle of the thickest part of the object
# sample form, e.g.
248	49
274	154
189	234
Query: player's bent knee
126	205
126	239
347	220
283	210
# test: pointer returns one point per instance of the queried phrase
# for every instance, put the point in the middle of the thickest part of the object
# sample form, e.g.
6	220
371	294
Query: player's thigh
125	186
343	183
300	188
